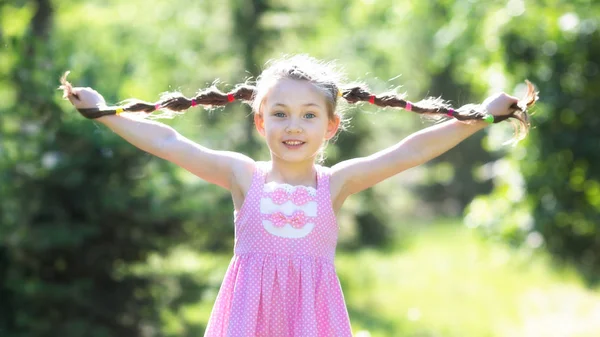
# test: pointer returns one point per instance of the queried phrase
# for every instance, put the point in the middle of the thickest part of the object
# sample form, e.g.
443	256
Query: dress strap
324	194
323	174
262	169
260	174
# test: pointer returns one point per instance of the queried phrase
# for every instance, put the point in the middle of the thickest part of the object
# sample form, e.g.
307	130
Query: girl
281	280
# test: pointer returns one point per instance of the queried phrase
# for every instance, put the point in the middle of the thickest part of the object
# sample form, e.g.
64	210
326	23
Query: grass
443	281
450	282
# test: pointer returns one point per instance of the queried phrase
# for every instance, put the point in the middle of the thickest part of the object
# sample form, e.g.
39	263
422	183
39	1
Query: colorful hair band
489	119
230	98
450	112
340	93
157	106
118	110
408	106
372	99
194	102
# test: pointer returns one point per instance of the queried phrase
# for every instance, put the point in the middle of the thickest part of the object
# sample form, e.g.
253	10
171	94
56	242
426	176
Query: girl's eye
279	114
310	115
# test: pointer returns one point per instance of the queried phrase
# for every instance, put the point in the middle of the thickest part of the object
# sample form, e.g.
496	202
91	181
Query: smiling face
295	120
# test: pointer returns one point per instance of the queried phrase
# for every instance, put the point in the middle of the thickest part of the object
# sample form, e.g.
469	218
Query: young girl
281	280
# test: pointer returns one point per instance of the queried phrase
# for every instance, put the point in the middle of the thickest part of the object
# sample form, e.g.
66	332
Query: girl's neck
302	173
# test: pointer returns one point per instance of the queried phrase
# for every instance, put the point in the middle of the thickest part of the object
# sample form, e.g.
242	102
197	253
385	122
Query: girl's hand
88	101
499	104
81	98
85	98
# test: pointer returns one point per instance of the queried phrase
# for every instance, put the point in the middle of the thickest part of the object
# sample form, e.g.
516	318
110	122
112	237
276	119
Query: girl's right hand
85	98
81	98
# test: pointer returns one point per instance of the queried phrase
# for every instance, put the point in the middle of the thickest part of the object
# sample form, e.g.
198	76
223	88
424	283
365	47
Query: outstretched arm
218	167
355	175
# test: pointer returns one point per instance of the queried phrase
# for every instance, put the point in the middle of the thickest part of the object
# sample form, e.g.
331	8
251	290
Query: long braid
436	106
174	101
177	102
207	97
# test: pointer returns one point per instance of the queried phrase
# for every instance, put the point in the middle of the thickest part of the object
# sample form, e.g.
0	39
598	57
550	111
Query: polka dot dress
281	280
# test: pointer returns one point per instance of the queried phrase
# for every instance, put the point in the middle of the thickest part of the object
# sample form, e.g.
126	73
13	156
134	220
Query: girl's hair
326	78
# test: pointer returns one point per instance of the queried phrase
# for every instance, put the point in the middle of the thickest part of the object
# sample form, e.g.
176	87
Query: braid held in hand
436	106
211	97
173	101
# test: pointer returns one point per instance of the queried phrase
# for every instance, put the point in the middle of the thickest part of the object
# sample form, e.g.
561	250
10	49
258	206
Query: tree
547	190
74	209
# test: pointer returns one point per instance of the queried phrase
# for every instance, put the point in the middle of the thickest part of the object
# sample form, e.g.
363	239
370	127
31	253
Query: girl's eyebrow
305	105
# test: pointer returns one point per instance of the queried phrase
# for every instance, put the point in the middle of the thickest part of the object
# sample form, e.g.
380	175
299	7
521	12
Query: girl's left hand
499	104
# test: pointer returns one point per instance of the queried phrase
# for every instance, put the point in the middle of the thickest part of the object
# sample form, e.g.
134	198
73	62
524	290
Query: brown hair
327	79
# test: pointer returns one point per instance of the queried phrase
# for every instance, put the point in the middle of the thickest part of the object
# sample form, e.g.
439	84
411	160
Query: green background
98	238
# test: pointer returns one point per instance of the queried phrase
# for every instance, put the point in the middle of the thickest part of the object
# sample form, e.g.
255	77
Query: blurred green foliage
80	206
547	190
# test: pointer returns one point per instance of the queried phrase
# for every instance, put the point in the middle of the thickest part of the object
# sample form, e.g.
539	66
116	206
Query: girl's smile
293	144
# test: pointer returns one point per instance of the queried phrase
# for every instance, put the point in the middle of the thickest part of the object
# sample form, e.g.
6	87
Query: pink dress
281	280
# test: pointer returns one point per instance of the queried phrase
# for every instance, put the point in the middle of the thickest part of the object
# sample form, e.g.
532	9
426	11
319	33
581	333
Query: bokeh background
100	239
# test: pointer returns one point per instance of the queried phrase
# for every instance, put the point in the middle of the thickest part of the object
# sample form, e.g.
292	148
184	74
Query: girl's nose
293	127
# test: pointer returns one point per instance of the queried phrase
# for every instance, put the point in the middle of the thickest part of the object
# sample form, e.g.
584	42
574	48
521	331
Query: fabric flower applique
299	197
297	220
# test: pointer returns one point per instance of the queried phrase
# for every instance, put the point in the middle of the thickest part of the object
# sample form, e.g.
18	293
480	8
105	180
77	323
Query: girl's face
295	121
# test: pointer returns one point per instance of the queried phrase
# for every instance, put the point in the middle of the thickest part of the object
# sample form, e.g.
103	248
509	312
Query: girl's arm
222	168
355	175
229	170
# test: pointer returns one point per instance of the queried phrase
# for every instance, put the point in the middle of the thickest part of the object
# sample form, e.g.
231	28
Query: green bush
547	190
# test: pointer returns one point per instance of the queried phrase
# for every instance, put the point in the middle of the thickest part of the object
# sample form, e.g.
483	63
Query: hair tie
450	112
194	102
230	98
408	106
340	93
372	99
157	106
118	111
489	119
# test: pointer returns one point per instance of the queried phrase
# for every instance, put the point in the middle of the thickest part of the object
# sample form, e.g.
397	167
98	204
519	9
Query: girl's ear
259	122
332	127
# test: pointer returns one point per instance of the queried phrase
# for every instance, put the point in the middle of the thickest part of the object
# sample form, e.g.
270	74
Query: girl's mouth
293	144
